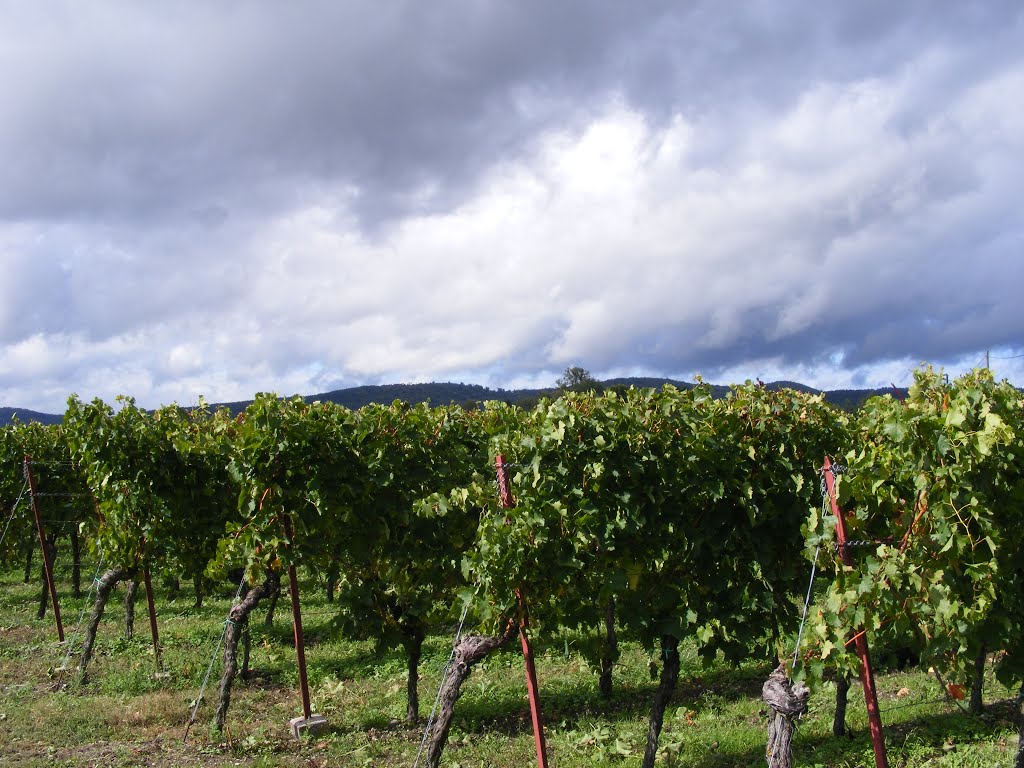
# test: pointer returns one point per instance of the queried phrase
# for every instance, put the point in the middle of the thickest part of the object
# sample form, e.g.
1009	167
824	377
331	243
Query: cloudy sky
218	198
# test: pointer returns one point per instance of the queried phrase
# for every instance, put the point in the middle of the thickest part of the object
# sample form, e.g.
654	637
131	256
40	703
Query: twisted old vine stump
787	701
468	652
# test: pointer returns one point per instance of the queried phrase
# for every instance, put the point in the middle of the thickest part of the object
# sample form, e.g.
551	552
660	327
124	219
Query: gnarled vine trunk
268	620
197	585
104	586
468	652
669	675
610	650
238	618
842	697
977	704
333	571
787	702
414	649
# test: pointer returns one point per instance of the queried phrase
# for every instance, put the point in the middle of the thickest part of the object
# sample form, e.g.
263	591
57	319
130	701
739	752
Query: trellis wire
807	605
444	678
85	607
13	510
945	690
859	543
807	600
914	704
506	465
810	585
213	659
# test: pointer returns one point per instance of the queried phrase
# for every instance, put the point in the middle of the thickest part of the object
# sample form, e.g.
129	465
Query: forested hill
7	415
847	399
473	394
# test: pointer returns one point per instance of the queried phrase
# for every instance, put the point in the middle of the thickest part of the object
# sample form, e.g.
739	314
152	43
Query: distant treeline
472	395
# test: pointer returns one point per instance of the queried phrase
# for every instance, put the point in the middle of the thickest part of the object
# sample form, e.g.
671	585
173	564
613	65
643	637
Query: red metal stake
151	604
867	677
300	646
47	563
532	689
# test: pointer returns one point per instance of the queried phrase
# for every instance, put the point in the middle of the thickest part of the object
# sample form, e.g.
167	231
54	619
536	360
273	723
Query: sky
220	198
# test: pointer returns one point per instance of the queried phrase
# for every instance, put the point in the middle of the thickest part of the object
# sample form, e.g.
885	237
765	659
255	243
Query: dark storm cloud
126	113
115	110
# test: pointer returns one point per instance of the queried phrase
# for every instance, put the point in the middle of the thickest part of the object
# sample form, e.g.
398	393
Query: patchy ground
125	716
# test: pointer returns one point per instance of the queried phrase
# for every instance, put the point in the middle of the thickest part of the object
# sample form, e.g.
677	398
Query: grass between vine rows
126	717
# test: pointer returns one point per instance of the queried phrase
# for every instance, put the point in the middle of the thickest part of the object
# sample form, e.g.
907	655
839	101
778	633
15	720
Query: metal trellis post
47	562
867	677
151	605
300	646
505	495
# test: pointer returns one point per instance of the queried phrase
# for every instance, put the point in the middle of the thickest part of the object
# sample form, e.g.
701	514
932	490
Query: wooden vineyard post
505	495
47	562
308	721
151	605
867	677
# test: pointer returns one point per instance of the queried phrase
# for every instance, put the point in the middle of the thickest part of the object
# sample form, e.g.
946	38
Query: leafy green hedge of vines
697	516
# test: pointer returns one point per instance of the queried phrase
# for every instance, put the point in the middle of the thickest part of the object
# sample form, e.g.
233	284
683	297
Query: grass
124	716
